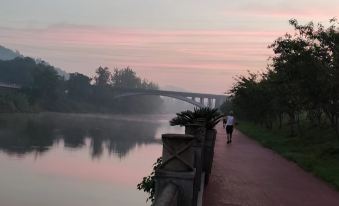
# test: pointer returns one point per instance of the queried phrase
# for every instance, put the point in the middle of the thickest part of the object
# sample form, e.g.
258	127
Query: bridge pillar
209	103
219	102
201	100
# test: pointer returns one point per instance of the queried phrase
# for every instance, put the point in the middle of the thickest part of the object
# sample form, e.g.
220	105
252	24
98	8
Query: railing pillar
208	149
177	167
209	152
169	196
209	102
199	132
219	101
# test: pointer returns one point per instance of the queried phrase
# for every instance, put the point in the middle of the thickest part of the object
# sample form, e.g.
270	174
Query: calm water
77	160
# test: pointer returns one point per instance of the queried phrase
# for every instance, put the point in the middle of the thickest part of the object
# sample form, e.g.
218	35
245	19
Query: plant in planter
211	117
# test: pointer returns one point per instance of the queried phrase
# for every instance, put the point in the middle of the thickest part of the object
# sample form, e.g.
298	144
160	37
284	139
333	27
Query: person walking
228	123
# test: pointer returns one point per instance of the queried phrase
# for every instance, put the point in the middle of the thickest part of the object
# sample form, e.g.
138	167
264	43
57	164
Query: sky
196	45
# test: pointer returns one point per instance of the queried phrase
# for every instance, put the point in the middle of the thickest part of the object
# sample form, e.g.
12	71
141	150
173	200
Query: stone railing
169	196
187	162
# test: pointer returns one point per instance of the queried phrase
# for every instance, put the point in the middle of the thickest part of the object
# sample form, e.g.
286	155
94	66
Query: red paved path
246	174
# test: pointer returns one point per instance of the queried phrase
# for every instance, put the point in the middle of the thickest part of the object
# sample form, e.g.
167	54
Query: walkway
246	174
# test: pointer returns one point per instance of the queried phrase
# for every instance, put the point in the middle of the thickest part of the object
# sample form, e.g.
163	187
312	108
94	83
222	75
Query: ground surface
246	174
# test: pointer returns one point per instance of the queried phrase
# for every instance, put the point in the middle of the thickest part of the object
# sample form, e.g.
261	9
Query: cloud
211	41
306	10
82	48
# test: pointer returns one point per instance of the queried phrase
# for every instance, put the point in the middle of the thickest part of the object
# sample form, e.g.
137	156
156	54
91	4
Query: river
53	159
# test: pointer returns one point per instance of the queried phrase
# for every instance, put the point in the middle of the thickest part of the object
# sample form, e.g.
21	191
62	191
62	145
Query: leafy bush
148	183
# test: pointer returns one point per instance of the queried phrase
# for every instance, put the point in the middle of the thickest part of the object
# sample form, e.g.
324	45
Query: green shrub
148	183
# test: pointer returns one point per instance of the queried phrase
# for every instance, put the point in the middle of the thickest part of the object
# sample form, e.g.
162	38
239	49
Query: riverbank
316	150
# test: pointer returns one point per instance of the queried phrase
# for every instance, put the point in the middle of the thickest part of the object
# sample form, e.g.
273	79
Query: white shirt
229	120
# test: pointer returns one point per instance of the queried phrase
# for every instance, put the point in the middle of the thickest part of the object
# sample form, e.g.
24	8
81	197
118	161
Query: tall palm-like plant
211	117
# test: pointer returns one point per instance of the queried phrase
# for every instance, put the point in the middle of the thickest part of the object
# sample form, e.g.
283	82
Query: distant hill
8	54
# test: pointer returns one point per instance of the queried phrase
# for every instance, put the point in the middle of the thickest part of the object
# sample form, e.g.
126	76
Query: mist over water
71	159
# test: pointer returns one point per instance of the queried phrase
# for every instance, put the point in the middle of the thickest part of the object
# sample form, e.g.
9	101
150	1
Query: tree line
43	89
300	83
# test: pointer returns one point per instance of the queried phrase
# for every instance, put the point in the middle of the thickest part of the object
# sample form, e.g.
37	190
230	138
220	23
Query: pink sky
194	45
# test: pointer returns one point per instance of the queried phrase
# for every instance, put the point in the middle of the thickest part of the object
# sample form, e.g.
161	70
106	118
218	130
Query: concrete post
169	196
199	132
202	122
177	153
209	152
177	167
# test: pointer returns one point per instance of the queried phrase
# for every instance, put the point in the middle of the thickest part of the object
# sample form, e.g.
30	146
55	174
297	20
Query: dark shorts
229	129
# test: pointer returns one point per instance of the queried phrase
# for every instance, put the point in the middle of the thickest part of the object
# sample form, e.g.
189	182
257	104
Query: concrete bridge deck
10	86
246	174
197	99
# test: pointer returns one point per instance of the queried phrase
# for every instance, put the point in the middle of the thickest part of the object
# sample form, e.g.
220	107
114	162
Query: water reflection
82	159
26	134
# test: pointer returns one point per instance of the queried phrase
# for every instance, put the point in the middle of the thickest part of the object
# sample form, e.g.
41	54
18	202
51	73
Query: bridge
6	87
197	99
9	86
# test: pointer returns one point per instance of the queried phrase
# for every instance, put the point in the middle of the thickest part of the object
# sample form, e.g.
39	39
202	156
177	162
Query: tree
46	84
78	86
102	77
302	78
125	78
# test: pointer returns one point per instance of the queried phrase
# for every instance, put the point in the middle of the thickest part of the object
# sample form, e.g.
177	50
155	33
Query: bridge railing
197	99
8	85
187	161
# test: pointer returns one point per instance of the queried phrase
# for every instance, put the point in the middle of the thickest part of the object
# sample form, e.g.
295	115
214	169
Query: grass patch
315	149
